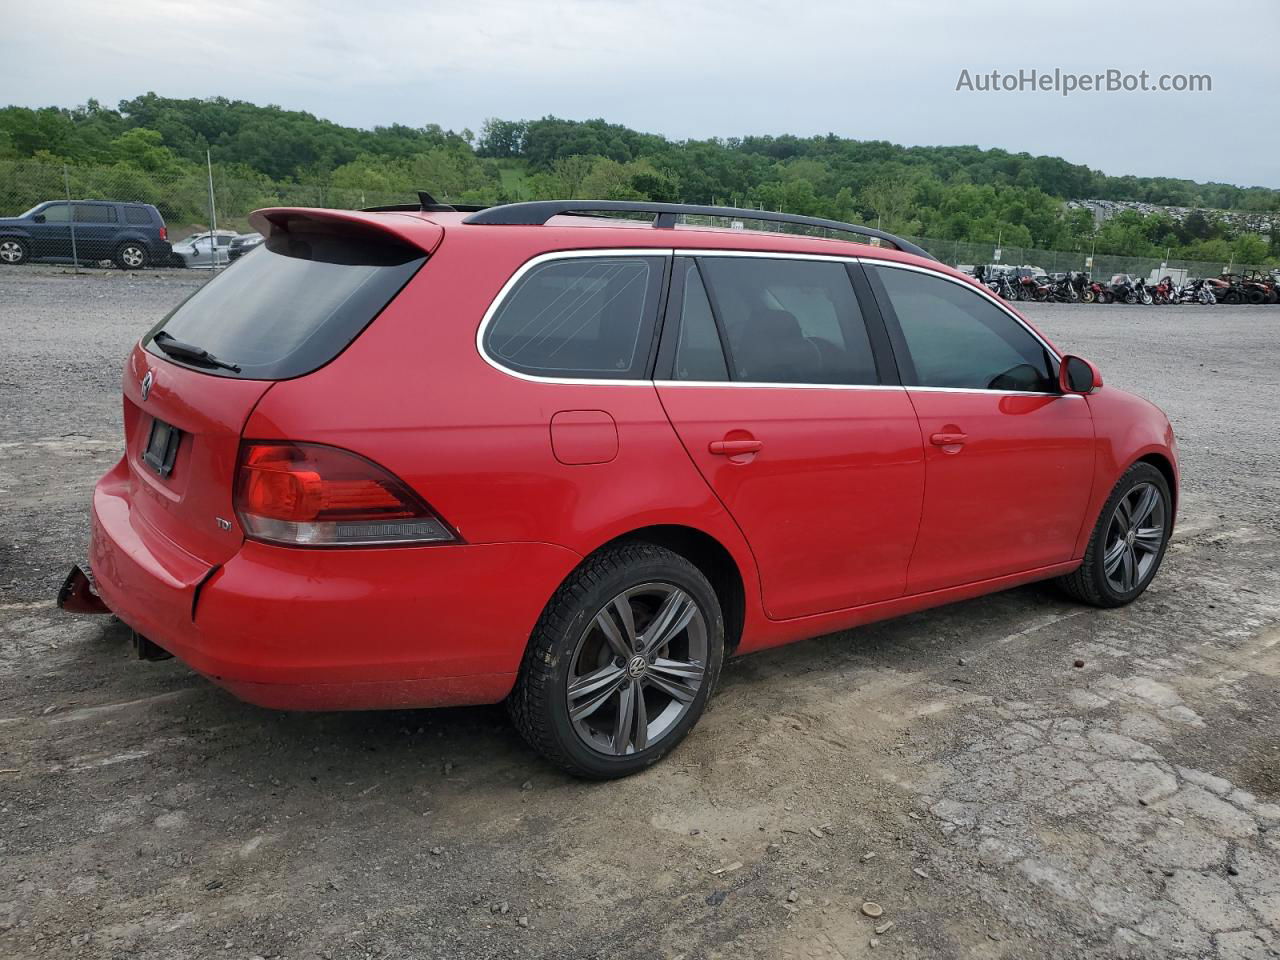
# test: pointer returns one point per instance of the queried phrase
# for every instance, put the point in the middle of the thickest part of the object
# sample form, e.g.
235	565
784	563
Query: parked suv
412	459
130	234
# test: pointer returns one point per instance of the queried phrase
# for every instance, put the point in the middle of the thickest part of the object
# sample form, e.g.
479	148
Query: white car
202	251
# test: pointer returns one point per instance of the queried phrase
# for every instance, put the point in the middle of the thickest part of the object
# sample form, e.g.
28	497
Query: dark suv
131	235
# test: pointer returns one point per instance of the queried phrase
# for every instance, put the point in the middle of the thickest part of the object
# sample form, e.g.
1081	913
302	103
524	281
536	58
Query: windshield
293	306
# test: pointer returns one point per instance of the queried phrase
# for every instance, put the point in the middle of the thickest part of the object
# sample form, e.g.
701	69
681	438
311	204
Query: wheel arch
1162	463
711	557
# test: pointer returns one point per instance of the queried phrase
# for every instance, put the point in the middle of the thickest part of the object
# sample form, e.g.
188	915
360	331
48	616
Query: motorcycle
1196	291
1164	291
1065	289
1029	288
1127	290
1096	292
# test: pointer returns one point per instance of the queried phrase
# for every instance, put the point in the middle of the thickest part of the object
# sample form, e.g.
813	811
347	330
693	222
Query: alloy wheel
637	668
11	251
1135	537
132	256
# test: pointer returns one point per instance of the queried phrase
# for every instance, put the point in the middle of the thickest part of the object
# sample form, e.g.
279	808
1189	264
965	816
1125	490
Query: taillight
306	494
164	233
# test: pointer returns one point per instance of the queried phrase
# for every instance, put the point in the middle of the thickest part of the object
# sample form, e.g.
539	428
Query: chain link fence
195	202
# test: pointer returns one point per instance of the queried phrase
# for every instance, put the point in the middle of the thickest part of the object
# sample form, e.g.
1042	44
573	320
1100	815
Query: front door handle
733	448
948	439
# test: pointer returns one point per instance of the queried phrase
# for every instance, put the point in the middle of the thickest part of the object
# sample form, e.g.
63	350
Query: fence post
71	221
213	216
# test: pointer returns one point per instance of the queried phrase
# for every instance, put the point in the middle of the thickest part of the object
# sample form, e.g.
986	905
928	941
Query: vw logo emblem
147	381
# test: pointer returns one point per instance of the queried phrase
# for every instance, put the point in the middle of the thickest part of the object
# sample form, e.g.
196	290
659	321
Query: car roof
572	232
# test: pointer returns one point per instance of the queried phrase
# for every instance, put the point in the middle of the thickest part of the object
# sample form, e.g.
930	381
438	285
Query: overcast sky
697	68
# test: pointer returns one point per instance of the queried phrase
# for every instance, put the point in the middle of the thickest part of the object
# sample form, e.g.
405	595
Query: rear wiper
193	354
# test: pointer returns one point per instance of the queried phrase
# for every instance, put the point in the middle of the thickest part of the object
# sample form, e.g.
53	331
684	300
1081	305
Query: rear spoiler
411	231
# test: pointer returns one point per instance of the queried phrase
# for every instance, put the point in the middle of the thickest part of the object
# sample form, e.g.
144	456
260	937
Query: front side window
579	317
789	321
955	337
56	213
94	213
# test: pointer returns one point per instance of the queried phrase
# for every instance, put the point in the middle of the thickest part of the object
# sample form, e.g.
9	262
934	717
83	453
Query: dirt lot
952	766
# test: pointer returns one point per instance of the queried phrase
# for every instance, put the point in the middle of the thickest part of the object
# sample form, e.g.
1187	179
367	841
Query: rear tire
594	695
14	251
1088	296
1119	565
131	256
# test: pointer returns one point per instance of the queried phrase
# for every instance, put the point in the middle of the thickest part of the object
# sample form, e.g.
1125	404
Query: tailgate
190	503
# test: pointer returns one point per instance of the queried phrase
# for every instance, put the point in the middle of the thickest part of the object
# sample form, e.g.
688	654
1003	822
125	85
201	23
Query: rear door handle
948	439
732	448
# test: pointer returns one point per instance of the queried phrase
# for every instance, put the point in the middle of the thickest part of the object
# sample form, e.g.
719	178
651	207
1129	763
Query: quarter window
137	215
955	337
789	321
579	317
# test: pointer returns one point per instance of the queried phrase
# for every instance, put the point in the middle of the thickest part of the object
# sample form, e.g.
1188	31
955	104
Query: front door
768	375
1009	459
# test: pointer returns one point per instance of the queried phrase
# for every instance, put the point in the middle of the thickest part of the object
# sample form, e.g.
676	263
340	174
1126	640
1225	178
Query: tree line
958	193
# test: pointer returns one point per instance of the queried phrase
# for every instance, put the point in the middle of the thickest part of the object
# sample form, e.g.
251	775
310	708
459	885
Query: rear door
1009	459
96	227
783	394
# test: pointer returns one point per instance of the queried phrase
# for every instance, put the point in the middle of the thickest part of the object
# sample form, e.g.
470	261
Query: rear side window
955	337
294	306
95	213
579	317
137	215
789	321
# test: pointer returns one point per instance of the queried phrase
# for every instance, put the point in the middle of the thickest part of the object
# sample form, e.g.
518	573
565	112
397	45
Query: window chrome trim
769	385
537	261
762	254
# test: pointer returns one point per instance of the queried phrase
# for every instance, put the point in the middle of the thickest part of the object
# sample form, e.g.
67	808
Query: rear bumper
323	629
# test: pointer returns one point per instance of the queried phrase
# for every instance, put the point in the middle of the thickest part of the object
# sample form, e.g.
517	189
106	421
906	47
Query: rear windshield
292	306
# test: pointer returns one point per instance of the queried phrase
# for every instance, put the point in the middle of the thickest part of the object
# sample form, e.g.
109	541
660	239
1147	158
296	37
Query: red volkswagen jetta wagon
555	454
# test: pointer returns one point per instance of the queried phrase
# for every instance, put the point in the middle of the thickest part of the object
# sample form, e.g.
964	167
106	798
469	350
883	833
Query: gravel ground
952	766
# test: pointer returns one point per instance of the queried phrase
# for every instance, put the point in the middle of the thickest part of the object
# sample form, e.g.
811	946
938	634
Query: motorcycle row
1077	287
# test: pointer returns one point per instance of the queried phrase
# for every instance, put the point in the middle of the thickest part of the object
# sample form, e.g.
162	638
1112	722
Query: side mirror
38	218
1077	375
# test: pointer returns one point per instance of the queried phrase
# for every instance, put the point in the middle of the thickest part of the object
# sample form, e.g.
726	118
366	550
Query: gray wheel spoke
1148	539
622	607
1124	513
588	694
672	688
678	669
621	645
1129	568
1113	557
641	739
1147	502
674	616
625	722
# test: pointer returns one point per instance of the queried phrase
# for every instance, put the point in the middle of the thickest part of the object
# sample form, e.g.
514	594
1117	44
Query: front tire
1128	542
13	252
131	256
621	663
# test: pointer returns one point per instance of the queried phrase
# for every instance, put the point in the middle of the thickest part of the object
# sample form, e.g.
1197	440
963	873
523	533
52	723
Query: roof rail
426	204
538	212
